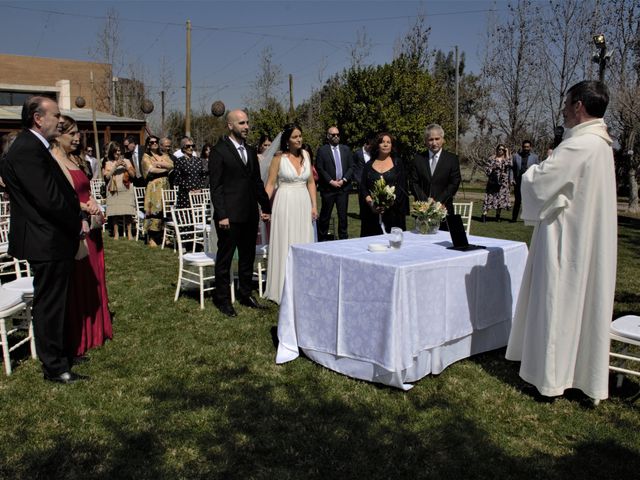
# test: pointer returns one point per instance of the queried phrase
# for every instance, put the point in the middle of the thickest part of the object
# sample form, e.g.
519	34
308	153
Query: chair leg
260	292
179	283
32	337
233	289
201	278
5	346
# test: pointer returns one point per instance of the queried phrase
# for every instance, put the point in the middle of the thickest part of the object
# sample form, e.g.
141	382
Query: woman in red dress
88	318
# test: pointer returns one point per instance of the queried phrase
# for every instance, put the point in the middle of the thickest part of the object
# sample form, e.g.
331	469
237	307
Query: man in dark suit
436	172
45	229
236	191
135	152
334	164
521	161
362	156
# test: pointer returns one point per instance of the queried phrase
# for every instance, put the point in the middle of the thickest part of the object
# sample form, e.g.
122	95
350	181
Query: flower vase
427	228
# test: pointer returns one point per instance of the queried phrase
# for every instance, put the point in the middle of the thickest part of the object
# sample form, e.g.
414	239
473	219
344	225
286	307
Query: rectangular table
395	316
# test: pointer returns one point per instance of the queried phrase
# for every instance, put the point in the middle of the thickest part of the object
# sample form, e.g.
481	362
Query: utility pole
96	143
162	112
457	99
291	112
187	107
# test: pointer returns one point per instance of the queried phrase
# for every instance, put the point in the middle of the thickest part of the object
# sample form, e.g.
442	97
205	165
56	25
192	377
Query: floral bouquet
383	195
428	214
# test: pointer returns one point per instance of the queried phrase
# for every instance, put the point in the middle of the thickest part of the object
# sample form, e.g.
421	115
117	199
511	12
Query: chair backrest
464	209
168	200
96	188
188	227
199	200
4	210
139	193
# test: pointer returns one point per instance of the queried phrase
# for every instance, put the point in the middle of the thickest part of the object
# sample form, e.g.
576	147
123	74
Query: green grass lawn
185	393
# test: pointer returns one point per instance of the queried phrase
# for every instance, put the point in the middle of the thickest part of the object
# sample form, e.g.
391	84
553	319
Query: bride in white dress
294	208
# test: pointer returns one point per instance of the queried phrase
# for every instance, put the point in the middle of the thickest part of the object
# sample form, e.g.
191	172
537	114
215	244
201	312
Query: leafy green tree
270	120
399	97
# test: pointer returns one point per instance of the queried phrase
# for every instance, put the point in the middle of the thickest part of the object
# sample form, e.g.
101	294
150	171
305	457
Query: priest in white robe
560	331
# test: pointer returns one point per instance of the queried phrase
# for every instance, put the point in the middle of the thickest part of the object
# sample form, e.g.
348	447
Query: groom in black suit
45	229
236	191
436	172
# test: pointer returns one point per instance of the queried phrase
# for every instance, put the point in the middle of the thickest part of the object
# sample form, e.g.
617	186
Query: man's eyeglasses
189	146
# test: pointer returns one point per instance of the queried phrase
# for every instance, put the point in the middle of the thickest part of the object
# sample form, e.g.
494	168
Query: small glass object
395	238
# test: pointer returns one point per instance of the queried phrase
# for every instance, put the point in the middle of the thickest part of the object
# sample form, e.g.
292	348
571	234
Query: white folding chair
4	210
200	202
625	330
12	306
464	209
186	228
169	197
139	193
262	252
97	184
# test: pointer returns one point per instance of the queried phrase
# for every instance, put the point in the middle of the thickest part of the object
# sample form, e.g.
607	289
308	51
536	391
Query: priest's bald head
585	101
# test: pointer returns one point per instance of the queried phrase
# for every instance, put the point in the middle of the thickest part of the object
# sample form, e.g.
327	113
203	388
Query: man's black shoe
65	377
250	302
227	309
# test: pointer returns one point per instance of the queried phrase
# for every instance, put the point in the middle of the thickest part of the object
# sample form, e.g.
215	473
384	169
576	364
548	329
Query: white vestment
560	330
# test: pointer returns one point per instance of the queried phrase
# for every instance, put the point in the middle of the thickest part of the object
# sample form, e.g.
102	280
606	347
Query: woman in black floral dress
497	195
188	173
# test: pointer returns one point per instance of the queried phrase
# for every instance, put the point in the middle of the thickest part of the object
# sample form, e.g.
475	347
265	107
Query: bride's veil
267	156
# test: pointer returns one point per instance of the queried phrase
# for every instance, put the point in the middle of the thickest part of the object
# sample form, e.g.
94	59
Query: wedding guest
264	142
156	166
560	330
204	158
522	160
188	173
497	195
121	203
88	321
334	163
45	229
387	165
294	207
436	172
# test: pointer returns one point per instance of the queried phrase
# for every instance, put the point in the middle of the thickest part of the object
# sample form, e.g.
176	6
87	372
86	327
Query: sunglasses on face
153	141
189	146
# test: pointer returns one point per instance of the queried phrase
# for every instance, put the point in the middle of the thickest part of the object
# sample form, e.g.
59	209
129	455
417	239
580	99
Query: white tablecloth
395	316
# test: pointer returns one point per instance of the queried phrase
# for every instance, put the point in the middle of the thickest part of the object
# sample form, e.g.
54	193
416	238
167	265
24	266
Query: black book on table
459	235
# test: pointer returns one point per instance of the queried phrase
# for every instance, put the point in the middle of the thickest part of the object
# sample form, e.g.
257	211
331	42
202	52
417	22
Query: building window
13	98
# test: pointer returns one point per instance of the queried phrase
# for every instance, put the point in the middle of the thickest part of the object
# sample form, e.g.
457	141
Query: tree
398	97
624	34
360	49
469	92
511	72
269	120
265	88
107	50
564	44
414	45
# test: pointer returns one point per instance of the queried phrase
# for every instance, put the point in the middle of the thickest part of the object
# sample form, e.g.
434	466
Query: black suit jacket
45	210
444	183
236	188
358	164
326	167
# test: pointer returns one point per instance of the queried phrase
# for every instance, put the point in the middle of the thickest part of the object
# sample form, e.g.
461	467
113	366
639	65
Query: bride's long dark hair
286	135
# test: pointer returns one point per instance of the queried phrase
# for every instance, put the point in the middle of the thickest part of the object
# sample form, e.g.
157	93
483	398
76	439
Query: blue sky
310	39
